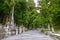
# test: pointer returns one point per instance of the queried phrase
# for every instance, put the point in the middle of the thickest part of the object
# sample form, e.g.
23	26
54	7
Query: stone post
17	31
23	29
20	30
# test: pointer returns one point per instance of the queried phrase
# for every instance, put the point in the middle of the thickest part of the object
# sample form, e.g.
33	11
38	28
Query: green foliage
55	10
3	12
50	12
21	13
25	13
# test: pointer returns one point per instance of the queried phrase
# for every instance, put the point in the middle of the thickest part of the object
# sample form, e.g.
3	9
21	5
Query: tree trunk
12	17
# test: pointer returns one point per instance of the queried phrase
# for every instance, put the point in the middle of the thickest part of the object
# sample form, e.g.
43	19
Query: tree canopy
25	13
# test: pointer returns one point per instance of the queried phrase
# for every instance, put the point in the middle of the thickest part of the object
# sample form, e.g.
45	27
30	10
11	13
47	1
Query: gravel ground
29	35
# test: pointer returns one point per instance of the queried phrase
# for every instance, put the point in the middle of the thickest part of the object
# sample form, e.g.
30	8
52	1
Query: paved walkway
30	35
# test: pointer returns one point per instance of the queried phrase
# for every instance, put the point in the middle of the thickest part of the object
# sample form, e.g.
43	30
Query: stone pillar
48	26
0	26
20	30
6	30
17	31
52	29
23	29
26	29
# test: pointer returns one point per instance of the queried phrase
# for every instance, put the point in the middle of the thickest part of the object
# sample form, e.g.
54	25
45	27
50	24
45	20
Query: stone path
29	35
